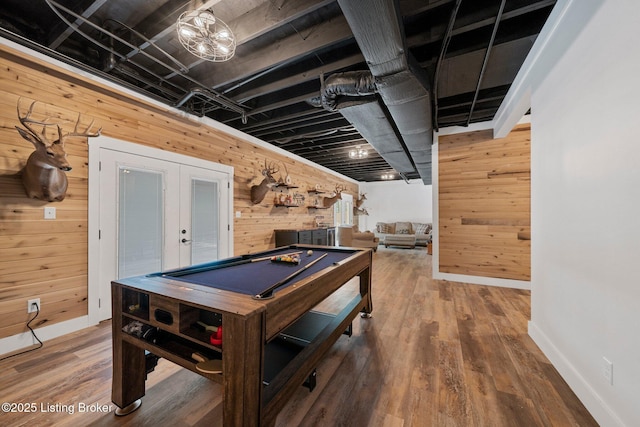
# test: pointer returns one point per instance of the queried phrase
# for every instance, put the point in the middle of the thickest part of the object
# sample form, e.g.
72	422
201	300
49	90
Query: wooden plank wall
48	259
484	204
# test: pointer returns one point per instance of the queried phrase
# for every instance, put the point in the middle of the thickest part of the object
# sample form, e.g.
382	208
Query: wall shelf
285	205
282	185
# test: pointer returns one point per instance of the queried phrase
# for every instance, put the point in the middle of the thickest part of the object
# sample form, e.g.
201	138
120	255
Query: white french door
156	214
202	222
136	216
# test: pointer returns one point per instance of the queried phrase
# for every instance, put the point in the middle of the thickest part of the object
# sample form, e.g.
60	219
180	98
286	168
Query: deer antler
26	121
84	133
271	169
340	188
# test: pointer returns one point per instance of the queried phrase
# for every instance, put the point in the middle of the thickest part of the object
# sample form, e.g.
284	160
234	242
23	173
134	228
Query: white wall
390	201
586	207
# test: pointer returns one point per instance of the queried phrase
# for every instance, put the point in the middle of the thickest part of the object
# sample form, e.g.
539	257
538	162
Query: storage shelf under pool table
278	353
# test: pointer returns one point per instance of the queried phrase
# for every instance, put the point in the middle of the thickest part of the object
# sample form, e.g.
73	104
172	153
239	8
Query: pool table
271	338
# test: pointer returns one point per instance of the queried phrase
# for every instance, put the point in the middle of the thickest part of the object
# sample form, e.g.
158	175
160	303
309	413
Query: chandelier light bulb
187	32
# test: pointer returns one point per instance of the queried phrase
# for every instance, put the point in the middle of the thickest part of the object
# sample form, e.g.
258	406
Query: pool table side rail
203	296
284	309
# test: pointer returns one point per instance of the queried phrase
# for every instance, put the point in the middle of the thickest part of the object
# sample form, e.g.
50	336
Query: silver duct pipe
353	95
377	28
339	90
372	123
345	89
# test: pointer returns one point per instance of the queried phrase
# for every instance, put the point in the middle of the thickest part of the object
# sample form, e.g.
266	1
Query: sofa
348	235
403	233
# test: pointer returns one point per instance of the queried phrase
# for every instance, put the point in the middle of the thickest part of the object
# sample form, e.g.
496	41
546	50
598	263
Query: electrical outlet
607	370
49	213
31	305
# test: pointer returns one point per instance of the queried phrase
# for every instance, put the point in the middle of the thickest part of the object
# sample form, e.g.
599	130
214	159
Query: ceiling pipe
183	68
209	95
74	62
401	83
486	60
218	98
443	51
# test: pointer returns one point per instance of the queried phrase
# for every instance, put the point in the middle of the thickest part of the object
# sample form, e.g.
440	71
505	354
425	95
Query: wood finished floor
435	353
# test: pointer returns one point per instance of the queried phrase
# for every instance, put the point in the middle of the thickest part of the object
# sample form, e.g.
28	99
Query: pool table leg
365	291
242	370
129	365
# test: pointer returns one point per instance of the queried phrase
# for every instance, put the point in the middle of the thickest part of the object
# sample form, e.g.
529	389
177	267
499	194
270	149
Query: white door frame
95	144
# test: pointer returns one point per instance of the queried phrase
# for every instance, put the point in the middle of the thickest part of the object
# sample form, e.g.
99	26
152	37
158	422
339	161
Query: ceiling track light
358	153
387	176
206	36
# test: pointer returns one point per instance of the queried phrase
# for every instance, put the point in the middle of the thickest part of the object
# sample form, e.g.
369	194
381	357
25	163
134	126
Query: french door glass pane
204	221
140	225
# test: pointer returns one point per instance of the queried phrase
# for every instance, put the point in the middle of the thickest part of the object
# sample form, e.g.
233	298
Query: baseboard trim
487	281
22	341
589	397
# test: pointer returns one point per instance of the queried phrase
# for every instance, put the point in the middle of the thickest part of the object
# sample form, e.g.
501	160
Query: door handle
185	241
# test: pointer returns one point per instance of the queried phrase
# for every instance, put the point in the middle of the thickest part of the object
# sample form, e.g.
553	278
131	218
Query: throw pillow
403	228
423	228
385	228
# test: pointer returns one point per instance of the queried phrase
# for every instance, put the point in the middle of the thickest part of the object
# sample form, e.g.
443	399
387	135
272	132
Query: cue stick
228	264
268	293
207	268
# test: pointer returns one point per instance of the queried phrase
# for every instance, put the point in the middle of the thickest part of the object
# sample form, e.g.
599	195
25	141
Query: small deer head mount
357	206
361	200
360	211
44	175
259	191
327	202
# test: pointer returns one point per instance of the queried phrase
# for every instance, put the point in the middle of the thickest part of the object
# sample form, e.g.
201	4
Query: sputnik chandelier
206	36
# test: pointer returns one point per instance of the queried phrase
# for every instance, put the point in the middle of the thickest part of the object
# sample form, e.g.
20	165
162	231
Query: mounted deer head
361	200
360	211
327	202
44	175
259	191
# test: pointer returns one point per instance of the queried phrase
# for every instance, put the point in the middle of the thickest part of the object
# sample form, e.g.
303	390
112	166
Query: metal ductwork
353	95
402	84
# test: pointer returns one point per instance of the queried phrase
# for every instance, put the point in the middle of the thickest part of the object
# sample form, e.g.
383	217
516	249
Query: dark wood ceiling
284	47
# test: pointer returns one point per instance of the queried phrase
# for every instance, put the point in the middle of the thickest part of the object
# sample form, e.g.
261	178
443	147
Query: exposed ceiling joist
284	46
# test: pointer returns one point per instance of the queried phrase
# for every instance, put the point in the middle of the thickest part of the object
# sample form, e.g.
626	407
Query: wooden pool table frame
249	325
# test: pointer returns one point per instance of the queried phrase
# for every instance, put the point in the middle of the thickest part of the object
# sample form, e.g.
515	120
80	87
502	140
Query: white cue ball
309	252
